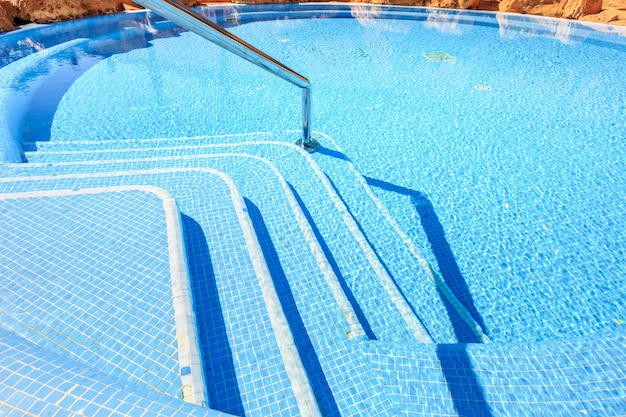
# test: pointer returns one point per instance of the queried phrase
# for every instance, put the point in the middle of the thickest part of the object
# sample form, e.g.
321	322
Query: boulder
189	3
6	20
45	11
574	9
518	6
569	9
512	6
469	4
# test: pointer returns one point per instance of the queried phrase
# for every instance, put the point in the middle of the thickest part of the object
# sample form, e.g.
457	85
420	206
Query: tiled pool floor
314	231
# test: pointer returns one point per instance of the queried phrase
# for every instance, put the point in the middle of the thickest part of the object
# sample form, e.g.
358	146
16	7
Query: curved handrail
194	22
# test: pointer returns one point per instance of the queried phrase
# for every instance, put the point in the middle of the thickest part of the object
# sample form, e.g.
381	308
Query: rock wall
16	12
574	9
7	16
44	11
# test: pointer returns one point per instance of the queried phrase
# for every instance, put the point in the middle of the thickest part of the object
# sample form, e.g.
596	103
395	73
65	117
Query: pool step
413	267
316	319
494	379
246	367
75	282
41	382
385	313
444	312
27	74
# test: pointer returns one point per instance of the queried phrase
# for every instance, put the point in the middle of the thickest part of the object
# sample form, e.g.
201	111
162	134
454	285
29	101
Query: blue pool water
469	191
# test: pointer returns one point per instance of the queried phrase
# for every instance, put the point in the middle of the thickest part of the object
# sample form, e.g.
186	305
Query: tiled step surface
414	281
308	286
36	381
382	319
457	379
578	376
415	273
14	102
244	368
91	274
333	384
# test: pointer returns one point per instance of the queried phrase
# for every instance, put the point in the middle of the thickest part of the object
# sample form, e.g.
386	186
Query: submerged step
246	357
103	278
445	312
504	379
62	386
384	312
404	258
290	263
18	82
410	374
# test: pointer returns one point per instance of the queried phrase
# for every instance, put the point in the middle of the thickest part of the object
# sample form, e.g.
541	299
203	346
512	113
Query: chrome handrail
194	22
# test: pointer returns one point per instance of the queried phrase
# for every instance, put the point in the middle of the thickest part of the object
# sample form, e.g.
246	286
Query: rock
516	6
188	3
454	4
574	9
6	21
469	4
45	11
444	4
550	10
615	16
512	6
16	12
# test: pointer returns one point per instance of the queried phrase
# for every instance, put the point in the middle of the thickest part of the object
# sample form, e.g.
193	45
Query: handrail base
310	146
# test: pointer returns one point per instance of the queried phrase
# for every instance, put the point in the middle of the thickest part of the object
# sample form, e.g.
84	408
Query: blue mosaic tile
471	400
392	375
359	279
308	305
500	379
68	276
424	295
70	382
226	265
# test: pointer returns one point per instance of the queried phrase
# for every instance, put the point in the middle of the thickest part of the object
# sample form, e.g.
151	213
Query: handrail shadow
456	366
446	260
217	356
465	390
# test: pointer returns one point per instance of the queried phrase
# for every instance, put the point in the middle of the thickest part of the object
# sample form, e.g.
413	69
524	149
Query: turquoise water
472	160
503	164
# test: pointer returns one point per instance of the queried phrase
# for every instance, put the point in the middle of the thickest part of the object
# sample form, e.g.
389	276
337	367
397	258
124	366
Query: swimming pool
468	190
